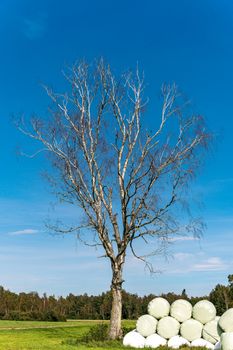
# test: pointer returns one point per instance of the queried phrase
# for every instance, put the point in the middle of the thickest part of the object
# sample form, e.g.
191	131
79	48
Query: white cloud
28	231
211	264
204	265
184	238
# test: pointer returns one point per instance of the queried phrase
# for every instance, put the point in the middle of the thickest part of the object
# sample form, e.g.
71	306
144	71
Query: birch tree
126	171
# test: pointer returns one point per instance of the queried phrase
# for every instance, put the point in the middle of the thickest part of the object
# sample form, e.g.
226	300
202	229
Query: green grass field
28	335
34	335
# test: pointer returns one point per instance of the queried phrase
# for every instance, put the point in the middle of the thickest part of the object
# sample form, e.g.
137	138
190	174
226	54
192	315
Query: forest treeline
32	306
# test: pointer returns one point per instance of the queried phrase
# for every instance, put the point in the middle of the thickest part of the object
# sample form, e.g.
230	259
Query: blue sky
189	42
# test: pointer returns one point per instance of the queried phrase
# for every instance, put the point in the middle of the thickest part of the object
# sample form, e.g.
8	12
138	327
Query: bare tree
128	181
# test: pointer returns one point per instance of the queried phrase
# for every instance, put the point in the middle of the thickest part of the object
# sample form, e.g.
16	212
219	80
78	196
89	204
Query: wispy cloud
204	265
211	264
28	231
35	28
184	238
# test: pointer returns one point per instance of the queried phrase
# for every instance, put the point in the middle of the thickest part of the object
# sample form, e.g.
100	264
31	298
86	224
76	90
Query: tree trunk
115	331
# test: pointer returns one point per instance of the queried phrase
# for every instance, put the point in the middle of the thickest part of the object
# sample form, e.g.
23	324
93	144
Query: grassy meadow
34	335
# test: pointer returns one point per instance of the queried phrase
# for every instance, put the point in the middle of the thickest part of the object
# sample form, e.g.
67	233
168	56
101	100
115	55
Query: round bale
204	311
134	339
226	321
177	341
227	341
154	341
146	325
203	343
158	308
191	329
168	327
210	331
181	310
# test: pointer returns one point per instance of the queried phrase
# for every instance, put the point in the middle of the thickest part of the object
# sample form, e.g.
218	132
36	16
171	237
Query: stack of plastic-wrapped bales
181	324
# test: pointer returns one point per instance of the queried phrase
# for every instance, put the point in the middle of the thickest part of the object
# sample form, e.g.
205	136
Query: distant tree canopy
31	306
222	296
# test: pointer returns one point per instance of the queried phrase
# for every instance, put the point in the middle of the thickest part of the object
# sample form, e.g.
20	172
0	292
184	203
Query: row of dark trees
32	306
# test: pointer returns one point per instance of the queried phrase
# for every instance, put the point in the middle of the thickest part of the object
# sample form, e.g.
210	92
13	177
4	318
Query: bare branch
127	180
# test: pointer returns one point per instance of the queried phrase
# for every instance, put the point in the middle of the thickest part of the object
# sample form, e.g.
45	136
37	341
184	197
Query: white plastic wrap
154	341
210	331
158	307
227	341
177	341
217	346
168	327
181	310
226	321
134	339
146	325
191	329
203	343
204	311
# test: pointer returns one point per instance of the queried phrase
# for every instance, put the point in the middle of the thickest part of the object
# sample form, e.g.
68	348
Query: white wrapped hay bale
146	325
191	329
168	327
134	339
227	341
177	341
217	346
204	311
210	331
181	310
158	307
203	343
154	341
226	321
